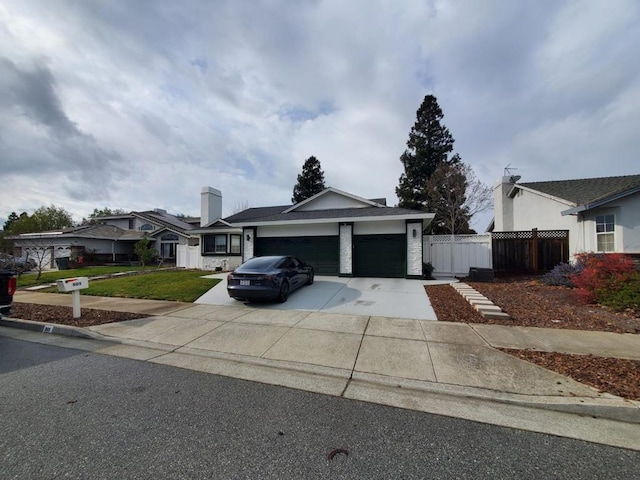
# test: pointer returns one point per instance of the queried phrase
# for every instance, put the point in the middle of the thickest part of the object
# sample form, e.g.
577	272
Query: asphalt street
73	414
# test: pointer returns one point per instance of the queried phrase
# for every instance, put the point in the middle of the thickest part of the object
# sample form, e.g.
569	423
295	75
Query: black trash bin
62	263
477	274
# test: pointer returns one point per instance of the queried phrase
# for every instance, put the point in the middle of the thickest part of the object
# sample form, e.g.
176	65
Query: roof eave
600	202
334	190
409	216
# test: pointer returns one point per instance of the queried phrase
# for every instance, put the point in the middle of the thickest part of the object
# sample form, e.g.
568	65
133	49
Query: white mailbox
72	284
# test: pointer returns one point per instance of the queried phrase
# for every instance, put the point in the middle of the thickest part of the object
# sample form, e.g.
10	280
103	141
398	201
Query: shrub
626	297
562	274
144	250
427	270
601	273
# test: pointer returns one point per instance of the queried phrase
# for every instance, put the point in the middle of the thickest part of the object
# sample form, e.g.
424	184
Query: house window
235	244
168	243
605	236
214	244
147	227
220	244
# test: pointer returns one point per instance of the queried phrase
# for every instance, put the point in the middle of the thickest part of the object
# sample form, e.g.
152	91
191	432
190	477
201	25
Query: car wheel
311	275
284	292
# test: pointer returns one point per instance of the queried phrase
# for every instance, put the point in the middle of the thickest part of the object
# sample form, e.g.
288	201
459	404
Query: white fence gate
187	257
454	255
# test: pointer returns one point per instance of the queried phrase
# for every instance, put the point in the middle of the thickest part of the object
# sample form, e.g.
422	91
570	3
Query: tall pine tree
430	144
310	181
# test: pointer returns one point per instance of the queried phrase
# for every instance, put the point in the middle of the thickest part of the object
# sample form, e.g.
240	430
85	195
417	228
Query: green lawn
29	279
176	285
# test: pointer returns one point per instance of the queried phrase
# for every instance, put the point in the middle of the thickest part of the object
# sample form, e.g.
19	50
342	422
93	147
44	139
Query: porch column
248	242
346	250
414	249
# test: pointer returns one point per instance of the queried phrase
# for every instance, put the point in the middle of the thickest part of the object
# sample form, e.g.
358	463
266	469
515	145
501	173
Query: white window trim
598	234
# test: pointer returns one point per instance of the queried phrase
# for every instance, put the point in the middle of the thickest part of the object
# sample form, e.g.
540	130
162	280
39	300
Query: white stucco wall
381	227
346	249
531	211
331	200
414	249
309	230
627	225
537	211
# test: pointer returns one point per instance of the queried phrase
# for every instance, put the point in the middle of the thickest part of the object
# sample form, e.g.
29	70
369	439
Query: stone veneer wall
247	247
414	249
346	249
225	263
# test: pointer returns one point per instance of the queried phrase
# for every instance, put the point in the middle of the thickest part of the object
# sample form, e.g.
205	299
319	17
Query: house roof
165	219
587	193
99	231
282	214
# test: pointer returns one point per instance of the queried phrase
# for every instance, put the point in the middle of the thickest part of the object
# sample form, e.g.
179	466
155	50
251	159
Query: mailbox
72	284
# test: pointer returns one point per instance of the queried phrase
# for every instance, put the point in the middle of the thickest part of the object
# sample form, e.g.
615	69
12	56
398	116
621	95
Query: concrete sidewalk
438	367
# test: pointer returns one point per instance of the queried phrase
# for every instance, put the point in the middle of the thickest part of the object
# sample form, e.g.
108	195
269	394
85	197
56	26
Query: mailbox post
73	285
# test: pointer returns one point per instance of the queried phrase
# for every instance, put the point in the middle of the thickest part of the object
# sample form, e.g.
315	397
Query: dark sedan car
273	277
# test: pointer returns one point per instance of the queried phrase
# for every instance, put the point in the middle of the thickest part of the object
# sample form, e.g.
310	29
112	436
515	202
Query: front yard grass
174	285
28	279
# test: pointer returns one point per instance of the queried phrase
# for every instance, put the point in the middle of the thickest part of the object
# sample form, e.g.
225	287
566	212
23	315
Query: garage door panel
379	255
323	253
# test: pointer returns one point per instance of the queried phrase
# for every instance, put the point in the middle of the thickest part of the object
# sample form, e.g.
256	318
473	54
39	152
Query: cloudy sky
137	104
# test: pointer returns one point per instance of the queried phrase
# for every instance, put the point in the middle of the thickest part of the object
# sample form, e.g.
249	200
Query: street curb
611	407
43	327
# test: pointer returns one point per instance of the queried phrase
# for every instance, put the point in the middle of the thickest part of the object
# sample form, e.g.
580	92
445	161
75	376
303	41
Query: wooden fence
531	251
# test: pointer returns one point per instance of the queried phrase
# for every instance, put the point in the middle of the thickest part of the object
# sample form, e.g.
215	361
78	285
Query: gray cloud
148	101
31	92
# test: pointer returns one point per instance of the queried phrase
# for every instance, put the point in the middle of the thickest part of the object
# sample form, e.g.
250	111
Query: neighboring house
112	238
165	231
109	242
601	214
339	234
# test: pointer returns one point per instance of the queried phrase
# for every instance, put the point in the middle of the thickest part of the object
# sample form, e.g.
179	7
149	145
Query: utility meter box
72	284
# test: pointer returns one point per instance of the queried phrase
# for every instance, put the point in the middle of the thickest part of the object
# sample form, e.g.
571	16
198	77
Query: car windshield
258	264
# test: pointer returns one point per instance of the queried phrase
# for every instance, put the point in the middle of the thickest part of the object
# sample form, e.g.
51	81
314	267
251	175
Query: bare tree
456	195
240	205
41	250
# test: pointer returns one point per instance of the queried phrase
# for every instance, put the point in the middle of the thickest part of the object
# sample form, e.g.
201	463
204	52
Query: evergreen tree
310	181
429	145
43	219
13	218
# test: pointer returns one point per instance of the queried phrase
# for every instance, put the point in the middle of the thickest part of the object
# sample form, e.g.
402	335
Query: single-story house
107	242
601	214
337	232
112	238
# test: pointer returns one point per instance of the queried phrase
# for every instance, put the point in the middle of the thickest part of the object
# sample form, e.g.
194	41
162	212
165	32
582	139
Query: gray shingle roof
274	214
585	190
167	220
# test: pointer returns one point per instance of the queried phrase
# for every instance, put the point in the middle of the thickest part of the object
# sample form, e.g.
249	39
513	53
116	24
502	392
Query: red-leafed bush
602	273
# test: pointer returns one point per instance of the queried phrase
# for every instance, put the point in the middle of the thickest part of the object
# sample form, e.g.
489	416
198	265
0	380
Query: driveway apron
381	297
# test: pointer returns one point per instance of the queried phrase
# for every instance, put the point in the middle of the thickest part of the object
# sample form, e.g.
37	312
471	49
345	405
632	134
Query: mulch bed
64	315
617	376
533	304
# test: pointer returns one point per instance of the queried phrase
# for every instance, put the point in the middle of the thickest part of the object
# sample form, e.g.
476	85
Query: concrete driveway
380	297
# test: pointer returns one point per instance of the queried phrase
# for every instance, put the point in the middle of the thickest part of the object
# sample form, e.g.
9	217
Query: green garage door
379	255
323	253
